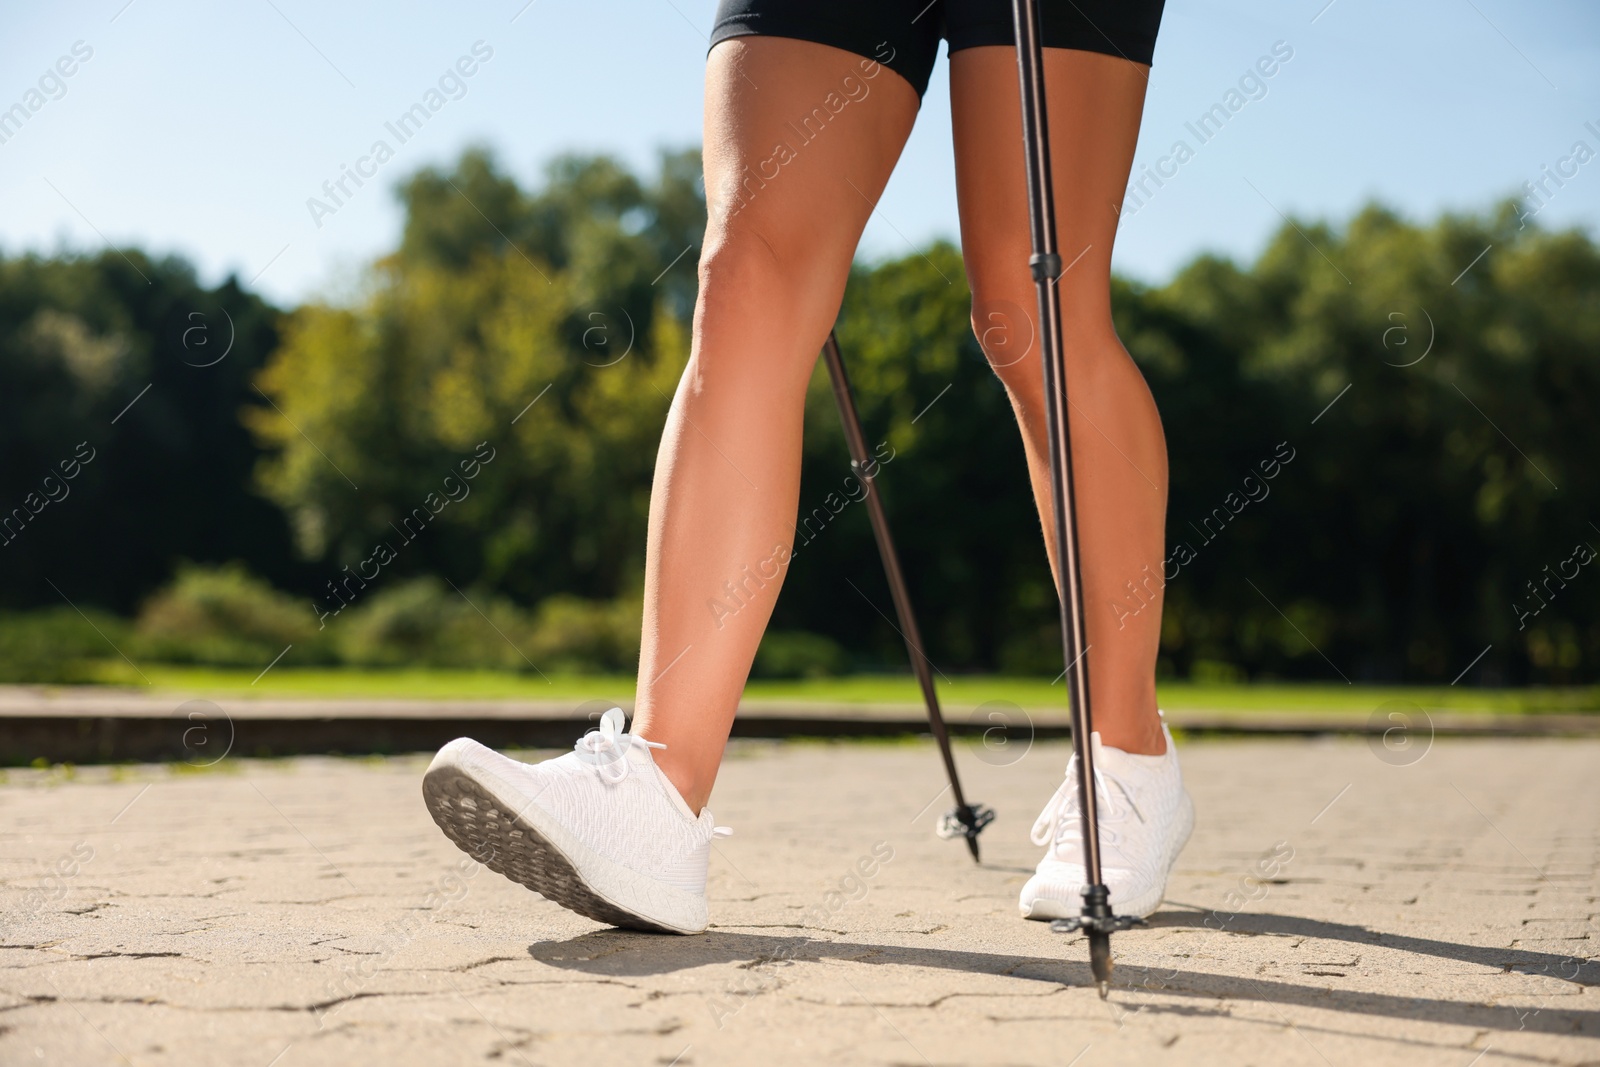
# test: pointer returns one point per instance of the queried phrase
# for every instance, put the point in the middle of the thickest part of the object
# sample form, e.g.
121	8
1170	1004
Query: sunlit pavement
1340	903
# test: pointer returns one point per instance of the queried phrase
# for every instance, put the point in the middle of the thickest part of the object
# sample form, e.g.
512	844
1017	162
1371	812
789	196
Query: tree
1381	436
125	372
523	348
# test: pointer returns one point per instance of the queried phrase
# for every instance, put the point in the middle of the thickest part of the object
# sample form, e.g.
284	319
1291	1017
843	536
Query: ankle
688	784
1136	739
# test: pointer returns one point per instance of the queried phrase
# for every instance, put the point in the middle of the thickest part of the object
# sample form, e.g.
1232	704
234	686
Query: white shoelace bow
608	746
1061	817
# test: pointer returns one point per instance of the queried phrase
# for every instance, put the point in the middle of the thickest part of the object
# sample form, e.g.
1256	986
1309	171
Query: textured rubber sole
517	839
1046	908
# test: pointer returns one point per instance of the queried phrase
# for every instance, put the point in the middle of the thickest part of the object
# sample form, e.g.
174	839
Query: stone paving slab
1333	907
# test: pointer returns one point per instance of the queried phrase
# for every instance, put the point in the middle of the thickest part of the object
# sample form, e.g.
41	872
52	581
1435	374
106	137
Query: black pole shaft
1046	266
864	465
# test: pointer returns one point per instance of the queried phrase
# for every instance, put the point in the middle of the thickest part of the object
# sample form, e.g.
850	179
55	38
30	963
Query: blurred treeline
454	467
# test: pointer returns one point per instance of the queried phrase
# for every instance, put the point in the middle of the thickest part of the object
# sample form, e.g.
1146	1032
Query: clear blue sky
202	128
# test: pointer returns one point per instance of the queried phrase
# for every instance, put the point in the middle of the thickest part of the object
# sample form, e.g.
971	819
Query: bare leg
800	139
1119	451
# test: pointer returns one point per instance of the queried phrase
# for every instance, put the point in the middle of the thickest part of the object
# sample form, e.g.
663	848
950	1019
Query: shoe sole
1044	909
518	839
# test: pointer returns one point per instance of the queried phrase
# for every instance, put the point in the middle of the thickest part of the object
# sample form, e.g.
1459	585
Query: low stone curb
72	725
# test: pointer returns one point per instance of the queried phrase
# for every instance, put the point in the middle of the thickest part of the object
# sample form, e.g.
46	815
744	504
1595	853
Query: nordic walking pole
967	820
1097	920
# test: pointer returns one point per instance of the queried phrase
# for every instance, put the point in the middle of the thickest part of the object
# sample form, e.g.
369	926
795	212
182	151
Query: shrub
226	617
423	622
57	645
420	622
797	654
572	634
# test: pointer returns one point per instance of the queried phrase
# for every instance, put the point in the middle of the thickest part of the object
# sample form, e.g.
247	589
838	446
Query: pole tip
1100	960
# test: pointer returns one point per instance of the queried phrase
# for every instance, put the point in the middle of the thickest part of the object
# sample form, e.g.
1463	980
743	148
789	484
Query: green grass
958	692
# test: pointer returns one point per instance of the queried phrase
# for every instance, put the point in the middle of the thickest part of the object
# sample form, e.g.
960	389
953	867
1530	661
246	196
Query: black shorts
904	35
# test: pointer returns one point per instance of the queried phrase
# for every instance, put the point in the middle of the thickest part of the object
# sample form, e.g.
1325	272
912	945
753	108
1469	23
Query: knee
1008	334
757	316
755	272
1006	326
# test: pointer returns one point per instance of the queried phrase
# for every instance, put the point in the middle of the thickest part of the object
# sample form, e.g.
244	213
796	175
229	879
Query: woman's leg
800	139
1119	452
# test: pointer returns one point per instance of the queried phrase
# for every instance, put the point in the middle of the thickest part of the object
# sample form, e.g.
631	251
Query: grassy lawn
958	692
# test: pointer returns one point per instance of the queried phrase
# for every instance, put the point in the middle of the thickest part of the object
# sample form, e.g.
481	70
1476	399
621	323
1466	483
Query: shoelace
608	746
1060	819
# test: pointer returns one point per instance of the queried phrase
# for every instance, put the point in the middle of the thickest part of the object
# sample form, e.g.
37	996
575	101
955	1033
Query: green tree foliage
1381	435
101	498
956	486
1414	527
550	357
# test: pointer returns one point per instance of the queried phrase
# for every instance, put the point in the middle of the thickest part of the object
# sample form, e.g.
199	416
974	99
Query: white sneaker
1145	819
600	830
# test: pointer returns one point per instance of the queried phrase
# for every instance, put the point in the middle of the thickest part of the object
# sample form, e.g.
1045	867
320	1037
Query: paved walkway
1334	908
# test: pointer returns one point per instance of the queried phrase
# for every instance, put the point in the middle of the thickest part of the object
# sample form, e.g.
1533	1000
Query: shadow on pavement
621	953
1574	969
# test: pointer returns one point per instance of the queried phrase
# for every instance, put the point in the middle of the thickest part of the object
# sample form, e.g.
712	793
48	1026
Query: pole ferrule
1096	902
1046	266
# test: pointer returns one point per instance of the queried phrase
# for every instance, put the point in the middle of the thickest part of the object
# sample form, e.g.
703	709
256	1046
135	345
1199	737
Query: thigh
800	139
1094	103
